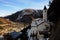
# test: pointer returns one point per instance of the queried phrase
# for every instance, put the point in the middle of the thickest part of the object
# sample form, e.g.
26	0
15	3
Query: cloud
6	2
11	6
4	13
33	4
16	5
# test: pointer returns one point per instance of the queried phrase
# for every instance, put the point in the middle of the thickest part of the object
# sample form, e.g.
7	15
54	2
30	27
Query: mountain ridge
20	14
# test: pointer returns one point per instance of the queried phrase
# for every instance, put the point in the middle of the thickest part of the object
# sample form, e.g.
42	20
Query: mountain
18	21
4	21
13	16
24	15
9	26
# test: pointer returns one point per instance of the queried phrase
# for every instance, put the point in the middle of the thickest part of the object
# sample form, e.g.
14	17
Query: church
40	27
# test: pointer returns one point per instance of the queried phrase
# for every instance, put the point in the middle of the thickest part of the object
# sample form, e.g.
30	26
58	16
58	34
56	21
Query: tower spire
45	8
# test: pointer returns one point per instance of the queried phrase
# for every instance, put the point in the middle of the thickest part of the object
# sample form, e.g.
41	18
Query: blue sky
7	7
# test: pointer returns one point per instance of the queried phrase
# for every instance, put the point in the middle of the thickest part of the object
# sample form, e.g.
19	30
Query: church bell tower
45	13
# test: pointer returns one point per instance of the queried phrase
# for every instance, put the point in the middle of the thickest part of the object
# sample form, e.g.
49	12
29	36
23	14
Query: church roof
37	21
